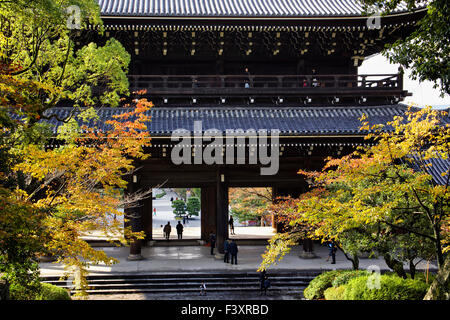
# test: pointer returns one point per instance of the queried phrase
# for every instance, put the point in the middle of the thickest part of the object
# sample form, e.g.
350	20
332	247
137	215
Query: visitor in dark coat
212	240
266	285
262	277
180	230
167	229
233	249
226	249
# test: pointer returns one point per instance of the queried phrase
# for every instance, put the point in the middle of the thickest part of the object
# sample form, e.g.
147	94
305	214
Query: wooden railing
261	83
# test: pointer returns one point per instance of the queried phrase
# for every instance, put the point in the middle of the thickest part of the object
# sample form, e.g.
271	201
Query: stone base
308	255
150	243
201	242
219	256
135	257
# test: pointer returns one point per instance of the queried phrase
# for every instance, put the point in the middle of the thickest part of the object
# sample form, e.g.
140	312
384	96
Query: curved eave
259	17
255	22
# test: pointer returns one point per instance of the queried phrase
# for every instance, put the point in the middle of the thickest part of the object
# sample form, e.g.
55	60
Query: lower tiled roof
437	167
289	120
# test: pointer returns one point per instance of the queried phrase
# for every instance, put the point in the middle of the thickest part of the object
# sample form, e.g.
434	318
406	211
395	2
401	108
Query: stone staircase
283	283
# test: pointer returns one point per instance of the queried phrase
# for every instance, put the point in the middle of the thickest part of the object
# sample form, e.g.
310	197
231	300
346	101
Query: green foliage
316	288
346	276
160	195
193	206
334	293
427	49
42	291
392	287
52	292
250	203
179	208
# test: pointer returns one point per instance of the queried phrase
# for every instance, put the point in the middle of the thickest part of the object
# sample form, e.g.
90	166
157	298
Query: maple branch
409	230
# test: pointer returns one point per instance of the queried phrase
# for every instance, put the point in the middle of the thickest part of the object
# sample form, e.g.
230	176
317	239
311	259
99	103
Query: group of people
168	228
230	249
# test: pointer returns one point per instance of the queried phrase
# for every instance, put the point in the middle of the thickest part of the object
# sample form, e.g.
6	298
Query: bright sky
423	92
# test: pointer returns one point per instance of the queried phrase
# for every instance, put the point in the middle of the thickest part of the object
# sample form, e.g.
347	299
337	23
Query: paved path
198	258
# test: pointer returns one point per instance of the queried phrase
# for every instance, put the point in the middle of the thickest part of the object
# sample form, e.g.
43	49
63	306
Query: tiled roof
434	167
290	121
233	8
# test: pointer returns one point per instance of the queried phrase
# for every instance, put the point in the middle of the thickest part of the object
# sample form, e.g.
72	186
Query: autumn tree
382	198
51	196
426	50
250	203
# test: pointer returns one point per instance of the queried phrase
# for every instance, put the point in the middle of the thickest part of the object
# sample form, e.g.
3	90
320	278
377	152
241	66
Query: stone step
196	275
187	282
176	280
182	284
284	290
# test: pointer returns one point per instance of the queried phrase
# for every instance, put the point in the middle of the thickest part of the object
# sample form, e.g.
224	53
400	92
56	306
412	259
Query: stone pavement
199	259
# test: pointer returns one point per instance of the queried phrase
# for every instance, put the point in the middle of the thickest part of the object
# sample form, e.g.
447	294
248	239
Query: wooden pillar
222	210
134	216
147	218
208	212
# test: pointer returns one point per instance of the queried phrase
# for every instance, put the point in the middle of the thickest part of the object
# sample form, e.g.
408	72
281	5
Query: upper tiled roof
437	167
289	120
233	8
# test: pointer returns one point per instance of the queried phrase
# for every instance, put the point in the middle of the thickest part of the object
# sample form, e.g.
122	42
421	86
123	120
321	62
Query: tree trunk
440	288
355	262
412	268
437	235
395	265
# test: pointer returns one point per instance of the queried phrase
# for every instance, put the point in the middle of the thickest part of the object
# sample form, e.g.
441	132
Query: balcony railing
244	84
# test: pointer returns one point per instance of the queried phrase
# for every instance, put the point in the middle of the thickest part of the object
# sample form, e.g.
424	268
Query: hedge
345	277
352	285
318	285
392	287
52	292
47	292
334	293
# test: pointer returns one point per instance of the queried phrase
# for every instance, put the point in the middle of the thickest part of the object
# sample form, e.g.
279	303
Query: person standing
203	289
212	240
266	285
332	252
262	277
226	248
167	229
231	223
233	249
180	230
249	82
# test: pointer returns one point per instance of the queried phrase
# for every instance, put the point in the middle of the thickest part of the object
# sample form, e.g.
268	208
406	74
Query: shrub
46	291
334	293
52	292
392	287
345	277
319	284
20	292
